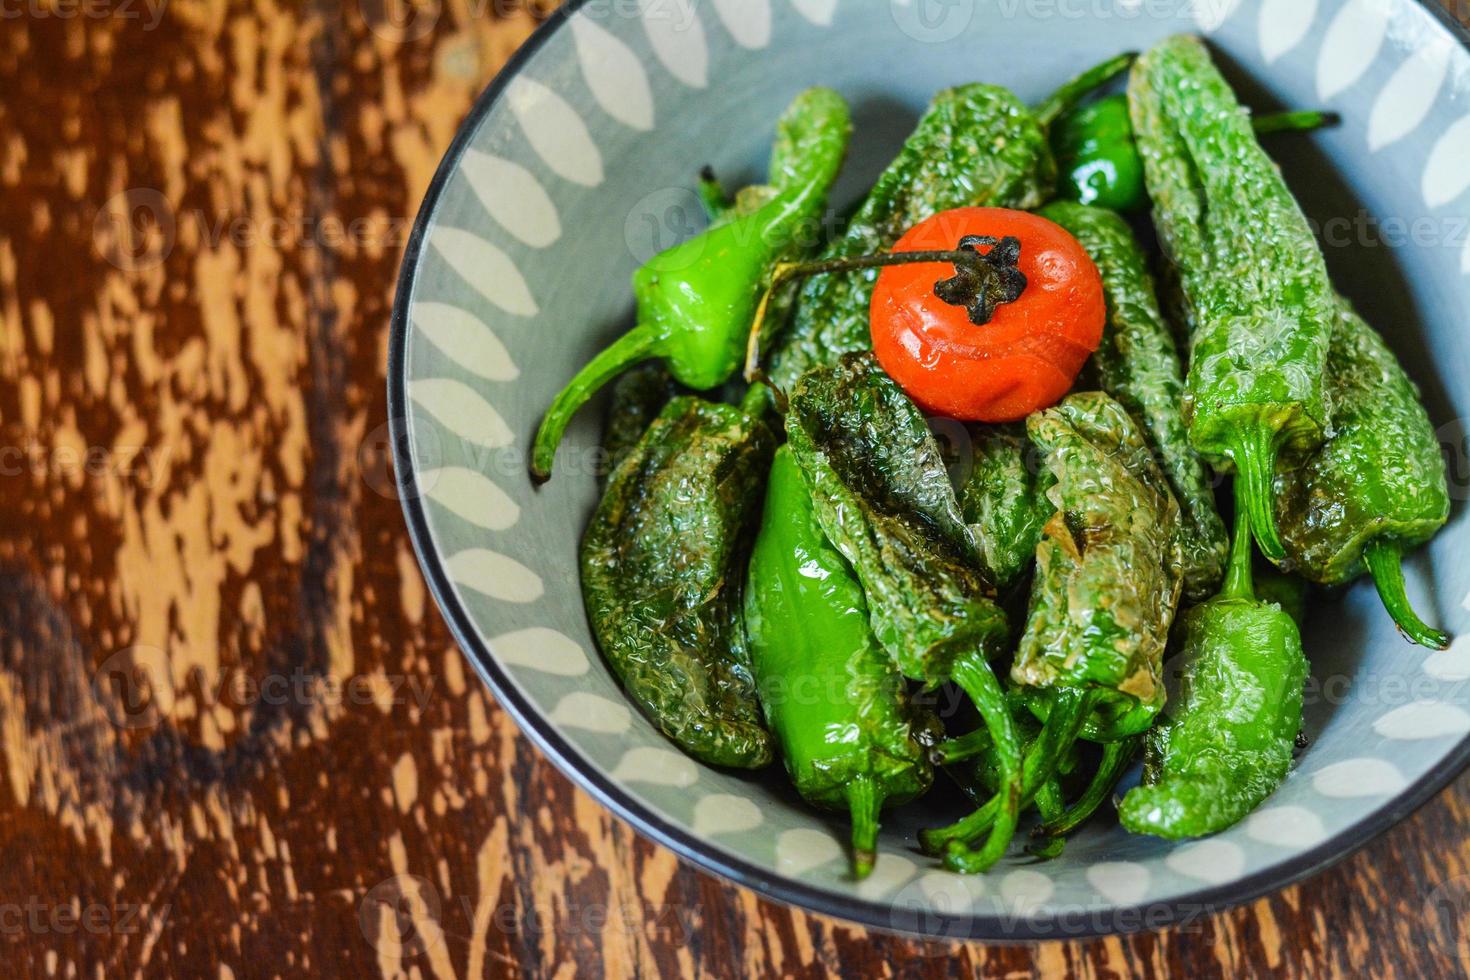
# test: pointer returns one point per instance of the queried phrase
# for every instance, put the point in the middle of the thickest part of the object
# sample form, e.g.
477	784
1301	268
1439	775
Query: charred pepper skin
638	398
662	572
1229	740
1377	488
1138	364
696	300
1260	304
848	744
1003	498
975	145
883	498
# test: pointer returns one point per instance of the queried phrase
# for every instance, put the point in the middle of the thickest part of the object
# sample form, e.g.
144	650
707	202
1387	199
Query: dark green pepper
696	300
832	697
1003	497
883	497
1098	160
1261	306
638	398
1228	742
662	566
1138	364
1377	488
975	145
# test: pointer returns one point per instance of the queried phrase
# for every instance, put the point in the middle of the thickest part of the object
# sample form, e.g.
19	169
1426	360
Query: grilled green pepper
1003	498
1261	307
975	145
638	397
661	577
1099	162
1377	487
832	697
696	300
1108	567
1228	741
1107	584
883	497
1138	365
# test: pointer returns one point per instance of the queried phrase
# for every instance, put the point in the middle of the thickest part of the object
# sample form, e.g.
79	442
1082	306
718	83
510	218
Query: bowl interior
581	161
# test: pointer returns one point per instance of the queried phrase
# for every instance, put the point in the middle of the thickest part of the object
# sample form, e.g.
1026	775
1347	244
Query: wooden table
235	736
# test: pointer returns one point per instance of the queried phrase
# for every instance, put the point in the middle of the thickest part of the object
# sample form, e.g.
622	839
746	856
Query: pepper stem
967	259
712	194
1302	121
1062	726
1254	454
1238	581
962	747
1078	88
864	801
1116	757
638	344
1384	558
974	676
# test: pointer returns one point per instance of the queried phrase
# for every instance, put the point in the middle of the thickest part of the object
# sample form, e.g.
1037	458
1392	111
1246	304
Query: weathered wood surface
196	500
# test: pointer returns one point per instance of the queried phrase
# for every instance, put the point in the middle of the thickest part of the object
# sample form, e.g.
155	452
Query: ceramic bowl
579	162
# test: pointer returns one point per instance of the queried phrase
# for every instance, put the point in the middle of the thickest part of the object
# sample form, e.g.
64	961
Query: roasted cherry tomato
1028	354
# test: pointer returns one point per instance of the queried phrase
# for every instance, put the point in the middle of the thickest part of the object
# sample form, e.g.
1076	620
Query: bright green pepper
1138	364
661	577
1229	740
696	300
832	697
1261	306
1098	159
1377	487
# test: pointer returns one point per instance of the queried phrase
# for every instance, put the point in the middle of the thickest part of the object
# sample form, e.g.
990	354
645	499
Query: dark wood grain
235	736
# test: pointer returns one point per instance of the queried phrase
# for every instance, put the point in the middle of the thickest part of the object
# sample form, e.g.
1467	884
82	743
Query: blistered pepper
1002	493
1138	364
1377	488
834	700
662	577
1228	741
1107	584
1261	307
696	300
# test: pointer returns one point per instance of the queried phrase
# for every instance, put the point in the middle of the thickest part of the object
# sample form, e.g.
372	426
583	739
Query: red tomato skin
1026	358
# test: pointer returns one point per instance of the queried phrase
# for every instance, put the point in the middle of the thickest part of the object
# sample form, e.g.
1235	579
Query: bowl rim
875	915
